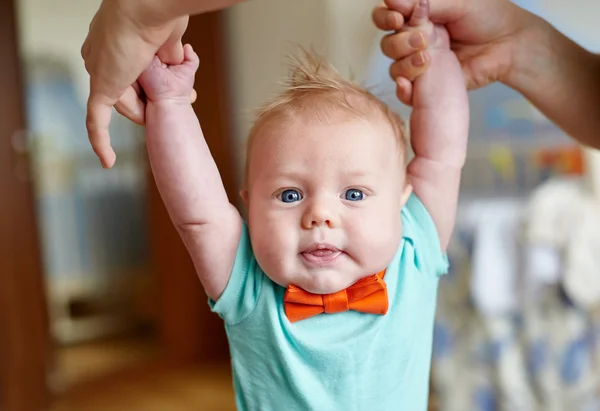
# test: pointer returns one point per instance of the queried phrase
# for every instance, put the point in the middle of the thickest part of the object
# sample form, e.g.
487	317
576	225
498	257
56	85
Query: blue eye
354	195
291	196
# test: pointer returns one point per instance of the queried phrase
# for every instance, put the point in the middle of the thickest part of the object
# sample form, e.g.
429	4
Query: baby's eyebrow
291	173
288	174
357	173
301	174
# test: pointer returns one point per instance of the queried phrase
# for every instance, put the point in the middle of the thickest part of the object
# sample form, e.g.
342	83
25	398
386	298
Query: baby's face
324	202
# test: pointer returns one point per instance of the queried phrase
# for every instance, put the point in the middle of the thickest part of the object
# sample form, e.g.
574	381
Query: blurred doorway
96	286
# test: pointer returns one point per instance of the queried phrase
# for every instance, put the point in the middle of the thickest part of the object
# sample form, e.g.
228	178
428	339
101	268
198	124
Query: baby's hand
435	36
162	82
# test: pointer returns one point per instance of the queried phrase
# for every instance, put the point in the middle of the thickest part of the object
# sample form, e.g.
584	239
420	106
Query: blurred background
100	308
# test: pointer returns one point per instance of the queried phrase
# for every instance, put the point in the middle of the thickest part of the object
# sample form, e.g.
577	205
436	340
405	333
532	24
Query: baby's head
325	181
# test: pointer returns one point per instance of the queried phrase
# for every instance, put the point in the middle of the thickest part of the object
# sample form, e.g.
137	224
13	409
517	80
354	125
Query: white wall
261	32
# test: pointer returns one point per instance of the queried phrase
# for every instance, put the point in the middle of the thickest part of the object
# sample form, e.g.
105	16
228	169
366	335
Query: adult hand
484	35
116	51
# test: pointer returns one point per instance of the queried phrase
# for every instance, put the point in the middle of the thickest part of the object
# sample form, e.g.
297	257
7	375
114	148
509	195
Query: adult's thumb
171	53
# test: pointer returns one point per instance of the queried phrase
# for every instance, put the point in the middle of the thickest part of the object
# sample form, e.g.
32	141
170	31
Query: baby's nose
319	215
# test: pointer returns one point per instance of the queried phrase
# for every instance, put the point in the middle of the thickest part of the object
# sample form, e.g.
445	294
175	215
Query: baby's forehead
346	139
297	124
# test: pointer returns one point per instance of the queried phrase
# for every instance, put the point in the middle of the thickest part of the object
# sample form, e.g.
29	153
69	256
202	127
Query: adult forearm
157	12
560	78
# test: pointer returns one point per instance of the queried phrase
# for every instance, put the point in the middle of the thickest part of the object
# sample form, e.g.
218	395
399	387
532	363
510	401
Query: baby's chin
324	282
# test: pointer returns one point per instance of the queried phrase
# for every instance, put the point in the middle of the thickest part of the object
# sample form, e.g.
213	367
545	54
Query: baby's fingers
190	64
191	59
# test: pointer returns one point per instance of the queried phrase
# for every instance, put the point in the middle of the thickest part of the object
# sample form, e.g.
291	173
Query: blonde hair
315	91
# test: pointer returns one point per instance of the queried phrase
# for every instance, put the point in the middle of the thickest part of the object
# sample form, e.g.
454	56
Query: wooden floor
180	390
207	388
84	362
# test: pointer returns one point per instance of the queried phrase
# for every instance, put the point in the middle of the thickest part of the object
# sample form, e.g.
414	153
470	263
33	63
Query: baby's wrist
168	102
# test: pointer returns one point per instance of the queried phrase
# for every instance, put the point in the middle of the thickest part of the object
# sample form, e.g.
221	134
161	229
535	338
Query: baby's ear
244	195
406	192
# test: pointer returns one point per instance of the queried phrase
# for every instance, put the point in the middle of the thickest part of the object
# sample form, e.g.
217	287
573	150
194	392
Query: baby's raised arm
439	126
186	175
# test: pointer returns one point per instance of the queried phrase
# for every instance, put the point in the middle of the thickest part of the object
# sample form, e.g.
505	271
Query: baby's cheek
272	241
381	233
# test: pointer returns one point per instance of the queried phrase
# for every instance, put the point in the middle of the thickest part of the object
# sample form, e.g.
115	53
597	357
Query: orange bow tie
367	295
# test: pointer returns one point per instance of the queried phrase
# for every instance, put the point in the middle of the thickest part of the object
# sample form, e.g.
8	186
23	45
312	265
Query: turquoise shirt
346	361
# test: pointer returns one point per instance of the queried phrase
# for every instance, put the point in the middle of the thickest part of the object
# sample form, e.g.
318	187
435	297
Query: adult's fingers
404	90
132	106
420	14
399	45
171	53
386	19
99	111
410	67
404	7
440	11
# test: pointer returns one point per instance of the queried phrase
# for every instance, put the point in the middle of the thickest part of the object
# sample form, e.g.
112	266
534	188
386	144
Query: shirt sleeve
245	283
418	228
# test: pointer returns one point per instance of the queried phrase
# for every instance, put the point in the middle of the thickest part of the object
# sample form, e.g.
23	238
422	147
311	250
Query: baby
328	292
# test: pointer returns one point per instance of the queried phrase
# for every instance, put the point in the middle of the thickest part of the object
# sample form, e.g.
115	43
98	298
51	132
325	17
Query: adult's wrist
542	57
146	13
559	77
156	13
531	51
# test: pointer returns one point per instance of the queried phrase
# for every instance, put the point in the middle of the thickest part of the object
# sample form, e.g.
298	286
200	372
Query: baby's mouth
321	255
